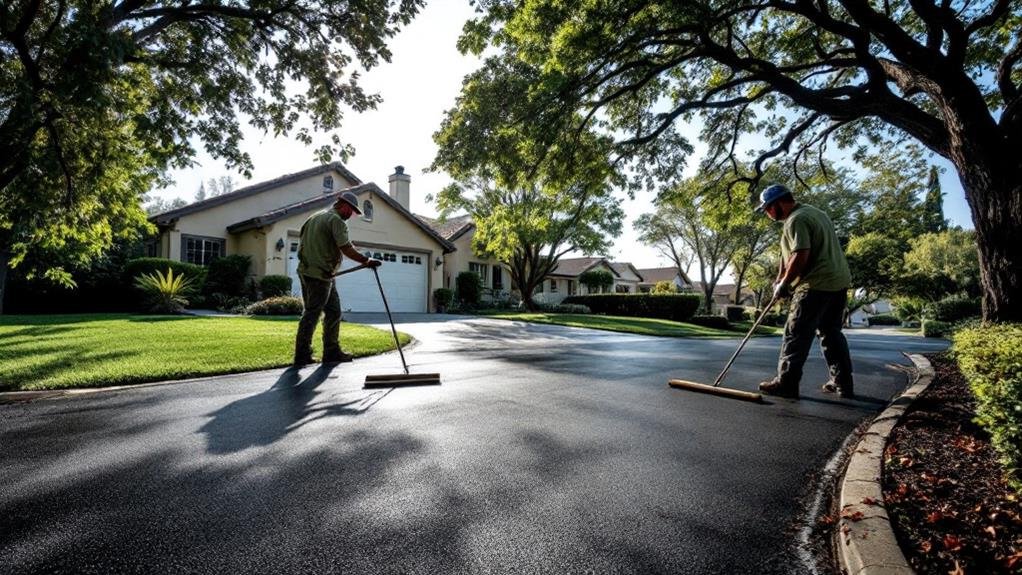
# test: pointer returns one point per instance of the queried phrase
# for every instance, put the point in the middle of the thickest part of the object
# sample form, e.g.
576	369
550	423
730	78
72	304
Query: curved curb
866	541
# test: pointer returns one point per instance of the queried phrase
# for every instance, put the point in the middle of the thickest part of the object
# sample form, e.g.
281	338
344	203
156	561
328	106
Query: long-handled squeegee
394	380
715	389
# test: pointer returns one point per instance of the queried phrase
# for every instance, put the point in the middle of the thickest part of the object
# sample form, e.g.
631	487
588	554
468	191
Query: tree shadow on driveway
290	403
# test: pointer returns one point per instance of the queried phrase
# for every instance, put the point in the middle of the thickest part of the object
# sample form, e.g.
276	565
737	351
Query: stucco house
563	281
652	276
264	220
459	231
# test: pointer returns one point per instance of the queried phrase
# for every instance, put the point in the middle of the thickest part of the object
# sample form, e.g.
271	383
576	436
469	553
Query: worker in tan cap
324	243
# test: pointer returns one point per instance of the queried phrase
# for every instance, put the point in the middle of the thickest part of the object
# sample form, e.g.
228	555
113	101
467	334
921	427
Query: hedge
712	321
884	319
227	276
676	307
275	285
991	360
953	308
934	328
282	305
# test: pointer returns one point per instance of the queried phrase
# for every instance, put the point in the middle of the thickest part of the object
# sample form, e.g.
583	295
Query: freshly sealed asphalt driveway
546	450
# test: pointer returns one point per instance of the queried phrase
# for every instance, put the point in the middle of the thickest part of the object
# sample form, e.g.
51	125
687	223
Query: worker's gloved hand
781	291
374	263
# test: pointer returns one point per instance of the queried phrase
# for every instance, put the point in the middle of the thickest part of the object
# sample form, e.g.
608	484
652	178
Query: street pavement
545	450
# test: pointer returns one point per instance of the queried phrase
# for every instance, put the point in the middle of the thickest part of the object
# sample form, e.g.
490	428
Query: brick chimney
399	186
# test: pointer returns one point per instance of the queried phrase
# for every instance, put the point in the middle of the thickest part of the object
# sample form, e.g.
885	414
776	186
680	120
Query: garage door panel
404	279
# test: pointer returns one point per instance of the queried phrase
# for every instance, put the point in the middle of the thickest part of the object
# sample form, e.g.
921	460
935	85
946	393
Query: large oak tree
98	99
802	73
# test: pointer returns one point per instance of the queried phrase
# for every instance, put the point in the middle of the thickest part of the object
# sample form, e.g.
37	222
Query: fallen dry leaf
934	517
925	546
870	501
1010	562
991	531
952	543
852	515
826	520
957	570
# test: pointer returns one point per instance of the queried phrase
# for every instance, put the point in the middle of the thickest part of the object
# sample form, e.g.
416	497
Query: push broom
401	379
715	389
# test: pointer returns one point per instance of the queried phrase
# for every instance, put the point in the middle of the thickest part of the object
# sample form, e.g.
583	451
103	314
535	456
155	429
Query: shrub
227	276
664	286
884	319
470	288
735	312
934	328
953	308
280	305
141	266
565	308
714	321
908	309
228	303
676	307
275	286
442	298
165	293
991	360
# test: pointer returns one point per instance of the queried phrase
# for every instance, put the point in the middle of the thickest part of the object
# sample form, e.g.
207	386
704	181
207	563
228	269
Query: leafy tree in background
946	258
802	74
99	99
875	261
933	205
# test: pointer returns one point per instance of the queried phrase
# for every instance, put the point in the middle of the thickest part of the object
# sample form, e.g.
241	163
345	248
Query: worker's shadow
287	405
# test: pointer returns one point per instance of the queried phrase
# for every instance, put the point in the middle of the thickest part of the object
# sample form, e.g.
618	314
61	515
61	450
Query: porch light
438	262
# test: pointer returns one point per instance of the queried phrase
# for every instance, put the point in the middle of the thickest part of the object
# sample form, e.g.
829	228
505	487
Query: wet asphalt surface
546	450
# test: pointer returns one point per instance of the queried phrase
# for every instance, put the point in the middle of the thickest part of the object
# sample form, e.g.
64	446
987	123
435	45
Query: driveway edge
865	539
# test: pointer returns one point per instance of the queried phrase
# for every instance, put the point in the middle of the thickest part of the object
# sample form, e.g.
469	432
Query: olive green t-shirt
319	253
809	228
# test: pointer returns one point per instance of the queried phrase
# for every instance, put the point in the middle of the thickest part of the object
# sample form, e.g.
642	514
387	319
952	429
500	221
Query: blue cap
771	195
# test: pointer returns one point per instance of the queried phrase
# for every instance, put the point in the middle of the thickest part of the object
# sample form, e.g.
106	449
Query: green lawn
62	351
638	325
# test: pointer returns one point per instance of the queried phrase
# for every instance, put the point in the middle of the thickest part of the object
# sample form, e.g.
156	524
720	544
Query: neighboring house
724	295
459	231
628	278
860	317
652	276
263	221
563	281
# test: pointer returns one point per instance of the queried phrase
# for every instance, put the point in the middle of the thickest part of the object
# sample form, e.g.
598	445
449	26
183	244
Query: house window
479	269
571	287
201	251
328	183
152	248
367	211
553	286
498	278
622	289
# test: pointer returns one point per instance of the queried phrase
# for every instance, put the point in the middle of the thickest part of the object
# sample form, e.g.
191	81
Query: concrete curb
865	540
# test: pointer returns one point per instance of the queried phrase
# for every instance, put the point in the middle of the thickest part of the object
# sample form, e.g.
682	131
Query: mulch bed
951	511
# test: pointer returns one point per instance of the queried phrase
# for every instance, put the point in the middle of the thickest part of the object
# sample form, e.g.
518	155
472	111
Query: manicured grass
63	351
637	325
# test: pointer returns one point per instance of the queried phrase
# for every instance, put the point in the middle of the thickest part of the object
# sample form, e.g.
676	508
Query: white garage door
403	274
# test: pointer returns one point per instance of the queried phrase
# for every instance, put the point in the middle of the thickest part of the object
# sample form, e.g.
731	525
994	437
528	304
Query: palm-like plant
166	293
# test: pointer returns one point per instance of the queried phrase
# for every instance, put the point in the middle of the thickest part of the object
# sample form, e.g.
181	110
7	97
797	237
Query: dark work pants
815	312
319	297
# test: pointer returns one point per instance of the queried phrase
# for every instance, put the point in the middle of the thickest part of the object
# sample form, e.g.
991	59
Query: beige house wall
549	296
388	229
212	222
458	261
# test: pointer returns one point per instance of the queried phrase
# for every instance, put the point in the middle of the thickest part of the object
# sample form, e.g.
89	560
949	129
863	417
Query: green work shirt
809	228
319	253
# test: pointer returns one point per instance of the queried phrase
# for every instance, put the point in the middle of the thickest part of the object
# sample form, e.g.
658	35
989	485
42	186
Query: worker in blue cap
814	275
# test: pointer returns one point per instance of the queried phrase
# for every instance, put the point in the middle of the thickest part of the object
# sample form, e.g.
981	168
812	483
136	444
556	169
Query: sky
420	83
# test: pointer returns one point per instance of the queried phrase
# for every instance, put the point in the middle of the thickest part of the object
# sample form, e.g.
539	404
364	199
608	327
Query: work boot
843	391
337	357
777	388
303	360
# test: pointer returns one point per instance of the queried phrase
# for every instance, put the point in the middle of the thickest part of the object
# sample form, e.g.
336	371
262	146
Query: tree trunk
993	189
